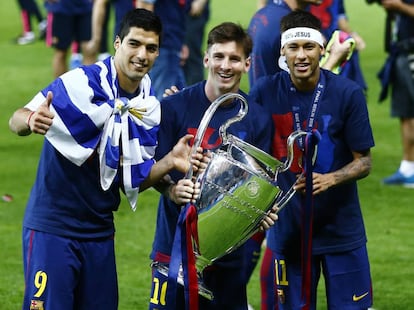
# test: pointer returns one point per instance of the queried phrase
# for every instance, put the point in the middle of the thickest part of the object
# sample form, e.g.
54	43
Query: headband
302	33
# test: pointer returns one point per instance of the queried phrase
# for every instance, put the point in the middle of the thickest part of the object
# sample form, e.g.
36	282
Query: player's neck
212	92
306	84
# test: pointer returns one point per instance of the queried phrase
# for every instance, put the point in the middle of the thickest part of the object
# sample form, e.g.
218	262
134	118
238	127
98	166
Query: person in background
401	59
68	226
69	20
100	22
226	60
333	17
192	55
167	70
29	9
97	45
319	232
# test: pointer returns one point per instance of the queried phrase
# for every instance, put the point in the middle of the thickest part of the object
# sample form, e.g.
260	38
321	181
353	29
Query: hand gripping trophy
238	187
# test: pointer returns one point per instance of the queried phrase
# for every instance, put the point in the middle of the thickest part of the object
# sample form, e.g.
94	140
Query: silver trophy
238	188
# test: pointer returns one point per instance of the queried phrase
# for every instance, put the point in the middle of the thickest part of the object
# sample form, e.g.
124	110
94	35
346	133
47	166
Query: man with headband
264	29
321	230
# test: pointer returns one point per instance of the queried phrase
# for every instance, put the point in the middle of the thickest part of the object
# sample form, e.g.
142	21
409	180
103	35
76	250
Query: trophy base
202	289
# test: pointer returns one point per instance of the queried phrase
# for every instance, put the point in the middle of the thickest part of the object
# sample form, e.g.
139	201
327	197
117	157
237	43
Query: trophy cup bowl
237	189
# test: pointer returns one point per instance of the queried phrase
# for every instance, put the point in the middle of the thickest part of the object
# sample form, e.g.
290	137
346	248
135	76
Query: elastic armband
29	118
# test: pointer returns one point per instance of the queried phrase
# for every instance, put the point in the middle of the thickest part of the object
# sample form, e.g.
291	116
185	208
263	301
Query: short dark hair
299	18
140	18
228	31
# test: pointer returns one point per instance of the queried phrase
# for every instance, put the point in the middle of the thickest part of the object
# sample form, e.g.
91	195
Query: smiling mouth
225	76
302	66
139	65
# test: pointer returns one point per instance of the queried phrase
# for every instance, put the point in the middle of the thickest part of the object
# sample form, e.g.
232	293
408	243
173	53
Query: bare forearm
359	168
355	170
158	171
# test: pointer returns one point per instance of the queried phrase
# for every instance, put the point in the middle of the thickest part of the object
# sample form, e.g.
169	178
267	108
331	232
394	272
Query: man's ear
117	42
323	50
282	51
205	59
248	64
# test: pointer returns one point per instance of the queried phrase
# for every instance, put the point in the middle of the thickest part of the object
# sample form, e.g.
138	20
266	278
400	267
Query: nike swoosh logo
358	298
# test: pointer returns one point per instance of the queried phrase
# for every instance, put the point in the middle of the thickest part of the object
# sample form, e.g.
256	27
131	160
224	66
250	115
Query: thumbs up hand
39	121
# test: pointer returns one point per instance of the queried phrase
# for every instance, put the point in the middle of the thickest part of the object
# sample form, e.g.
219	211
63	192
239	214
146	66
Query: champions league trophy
237	189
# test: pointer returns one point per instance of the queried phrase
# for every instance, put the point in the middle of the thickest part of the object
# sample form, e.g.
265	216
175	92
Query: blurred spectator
69	20
29	9
193	56
167	70
98	44
333	17
398	71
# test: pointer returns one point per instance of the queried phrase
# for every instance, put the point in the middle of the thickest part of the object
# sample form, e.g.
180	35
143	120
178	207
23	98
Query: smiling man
226	60
321	229
100	124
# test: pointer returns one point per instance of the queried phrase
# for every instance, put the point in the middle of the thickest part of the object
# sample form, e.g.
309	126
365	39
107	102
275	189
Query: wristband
28	118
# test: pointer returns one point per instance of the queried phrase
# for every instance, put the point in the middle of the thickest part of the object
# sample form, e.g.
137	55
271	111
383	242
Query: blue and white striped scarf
89	116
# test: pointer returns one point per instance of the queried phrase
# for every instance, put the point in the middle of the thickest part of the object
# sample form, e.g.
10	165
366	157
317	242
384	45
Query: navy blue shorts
66	274
68	28
347	280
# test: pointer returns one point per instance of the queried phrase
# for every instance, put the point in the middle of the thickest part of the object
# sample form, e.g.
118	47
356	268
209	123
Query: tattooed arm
357	169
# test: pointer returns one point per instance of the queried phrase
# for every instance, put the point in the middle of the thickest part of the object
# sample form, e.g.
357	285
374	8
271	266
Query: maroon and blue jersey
343	123
329	12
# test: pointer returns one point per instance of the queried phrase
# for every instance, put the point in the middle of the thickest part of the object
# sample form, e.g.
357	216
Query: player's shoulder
185	97
272	80
340	82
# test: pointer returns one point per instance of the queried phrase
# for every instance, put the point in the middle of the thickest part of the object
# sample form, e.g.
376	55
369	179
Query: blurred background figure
167	70
28	10
398	72
192	54
333	17
69	21
98	44
76	56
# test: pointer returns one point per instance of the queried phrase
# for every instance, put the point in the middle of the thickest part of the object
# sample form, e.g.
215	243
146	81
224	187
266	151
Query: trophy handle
281	201
290	144
208	114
